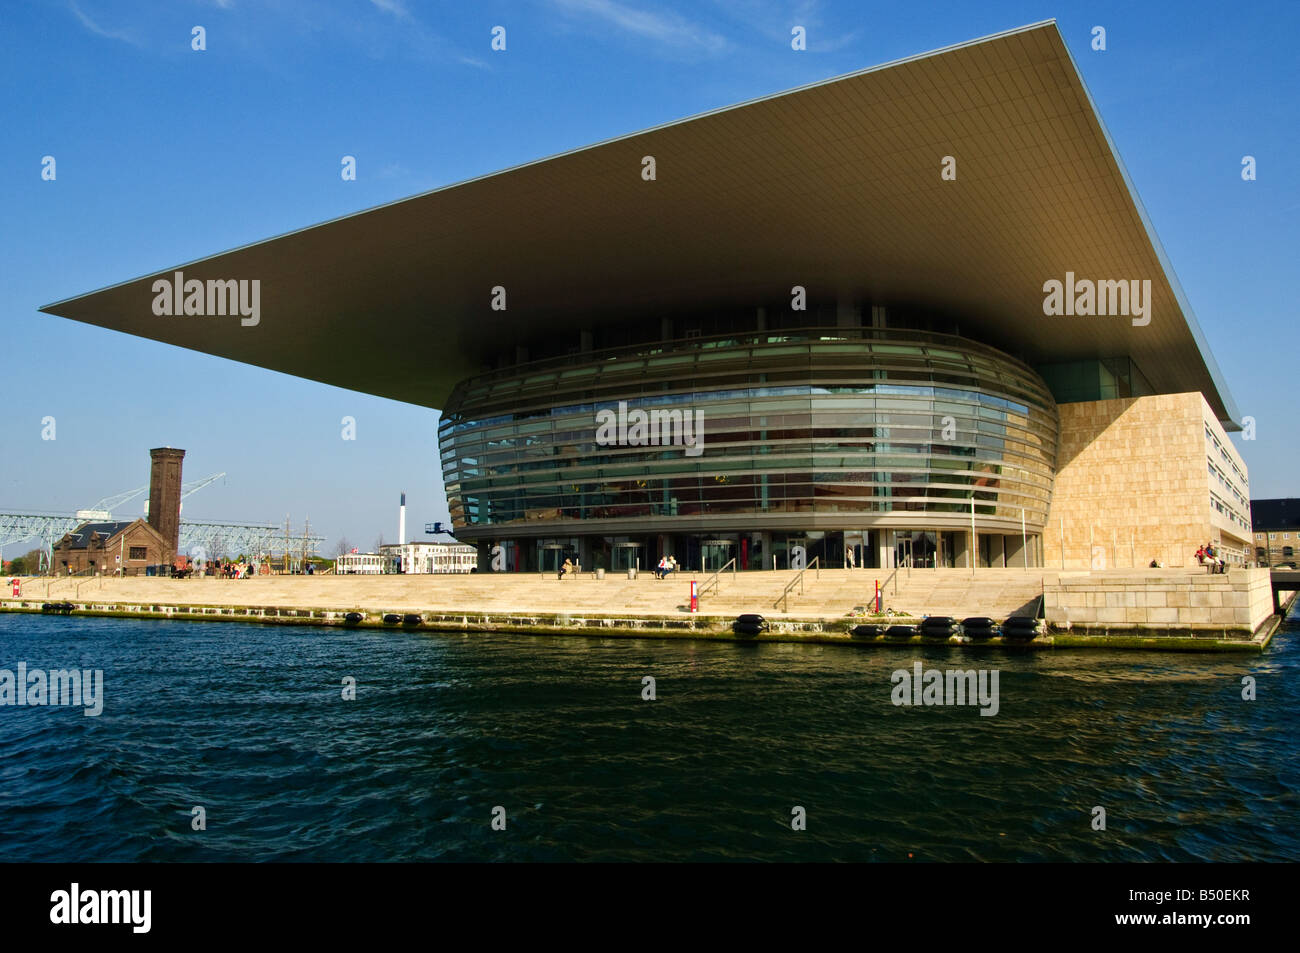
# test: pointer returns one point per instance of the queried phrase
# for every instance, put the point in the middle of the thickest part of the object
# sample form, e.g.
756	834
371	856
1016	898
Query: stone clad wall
1239	600
1131	484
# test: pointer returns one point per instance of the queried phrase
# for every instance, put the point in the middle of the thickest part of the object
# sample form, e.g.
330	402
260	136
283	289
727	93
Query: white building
365	563
425	558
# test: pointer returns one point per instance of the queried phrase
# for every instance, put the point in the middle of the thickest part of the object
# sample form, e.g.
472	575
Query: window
138	552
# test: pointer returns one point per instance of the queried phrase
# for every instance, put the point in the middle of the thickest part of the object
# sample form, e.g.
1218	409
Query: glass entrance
918	549
552	553
716	553
859	549
626	554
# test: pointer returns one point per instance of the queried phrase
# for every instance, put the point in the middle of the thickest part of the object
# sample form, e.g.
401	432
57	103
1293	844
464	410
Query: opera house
916	312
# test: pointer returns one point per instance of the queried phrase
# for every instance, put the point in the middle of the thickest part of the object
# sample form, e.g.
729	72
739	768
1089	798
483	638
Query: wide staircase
836	592
830	594
957	592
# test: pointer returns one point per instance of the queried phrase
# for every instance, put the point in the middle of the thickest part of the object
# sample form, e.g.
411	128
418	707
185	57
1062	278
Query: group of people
1209	557
227	569
666	565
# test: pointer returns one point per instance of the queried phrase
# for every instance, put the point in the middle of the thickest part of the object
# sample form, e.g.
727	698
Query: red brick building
106	547
134	545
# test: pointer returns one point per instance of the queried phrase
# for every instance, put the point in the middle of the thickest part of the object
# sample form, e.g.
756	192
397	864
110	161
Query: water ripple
249	722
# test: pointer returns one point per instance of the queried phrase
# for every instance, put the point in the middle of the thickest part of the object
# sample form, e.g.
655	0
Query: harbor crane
103	510
49	528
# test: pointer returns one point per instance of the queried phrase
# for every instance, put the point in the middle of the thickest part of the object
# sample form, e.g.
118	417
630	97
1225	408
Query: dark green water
249	722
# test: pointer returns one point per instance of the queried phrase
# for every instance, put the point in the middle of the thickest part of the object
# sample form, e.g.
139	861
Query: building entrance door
548	557
917	549
716	552
947	548
552	553
862	545
779	557
626	554
827	548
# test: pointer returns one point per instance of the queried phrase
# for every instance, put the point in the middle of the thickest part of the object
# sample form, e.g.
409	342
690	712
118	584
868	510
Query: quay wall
1239	601
694	626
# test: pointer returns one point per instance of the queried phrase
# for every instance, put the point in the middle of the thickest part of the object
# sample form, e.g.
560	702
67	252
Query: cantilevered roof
835	186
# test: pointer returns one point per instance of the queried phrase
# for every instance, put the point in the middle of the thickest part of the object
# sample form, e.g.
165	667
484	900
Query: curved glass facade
811	429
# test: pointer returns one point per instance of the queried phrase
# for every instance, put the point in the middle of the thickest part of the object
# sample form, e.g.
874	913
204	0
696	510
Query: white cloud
666	28
395	7
773	19
98	30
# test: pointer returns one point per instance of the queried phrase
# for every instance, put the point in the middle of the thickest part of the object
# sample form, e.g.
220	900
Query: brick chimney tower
165	496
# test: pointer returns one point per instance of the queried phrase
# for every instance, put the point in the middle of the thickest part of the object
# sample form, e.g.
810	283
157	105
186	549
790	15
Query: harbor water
555	740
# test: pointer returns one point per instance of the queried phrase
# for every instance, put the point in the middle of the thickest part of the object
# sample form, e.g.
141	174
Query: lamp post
1024	537
1024	540
974	548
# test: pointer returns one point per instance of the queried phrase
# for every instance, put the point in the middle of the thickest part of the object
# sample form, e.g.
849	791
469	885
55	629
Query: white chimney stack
401	522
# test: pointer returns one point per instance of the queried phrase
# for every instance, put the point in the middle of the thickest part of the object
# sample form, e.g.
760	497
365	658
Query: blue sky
165	155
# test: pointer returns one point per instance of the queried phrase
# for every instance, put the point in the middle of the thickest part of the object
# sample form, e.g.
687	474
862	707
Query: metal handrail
95	578
713	581
784	598
55	580
892	577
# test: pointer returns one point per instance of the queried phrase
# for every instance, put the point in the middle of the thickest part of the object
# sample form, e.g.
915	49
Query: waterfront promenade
832	593
1142	608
